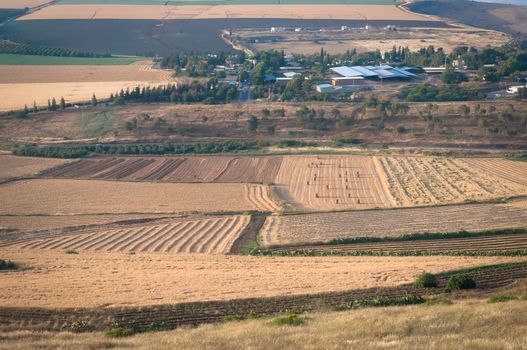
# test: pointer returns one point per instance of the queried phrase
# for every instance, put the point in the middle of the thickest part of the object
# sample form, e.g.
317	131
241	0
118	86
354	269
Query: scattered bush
290	319
524	296
426	280
381	301
438	301
460	281
501	298
7	265
120	330
76	327
71	251
157	326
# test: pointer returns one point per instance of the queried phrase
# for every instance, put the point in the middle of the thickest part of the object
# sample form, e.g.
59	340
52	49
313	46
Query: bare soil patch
91	279
13	166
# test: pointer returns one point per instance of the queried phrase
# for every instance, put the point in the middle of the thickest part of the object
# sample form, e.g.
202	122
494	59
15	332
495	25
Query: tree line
11	47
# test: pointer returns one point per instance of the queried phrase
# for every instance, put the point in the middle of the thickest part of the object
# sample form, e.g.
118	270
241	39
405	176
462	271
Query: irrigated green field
11	59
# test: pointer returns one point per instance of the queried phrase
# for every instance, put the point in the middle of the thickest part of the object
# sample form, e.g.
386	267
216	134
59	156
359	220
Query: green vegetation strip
15	59
307	252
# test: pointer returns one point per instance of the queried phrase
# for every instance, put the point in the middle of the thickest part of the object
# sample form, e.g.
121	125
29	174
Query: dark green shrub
290	319
426	280
501	298
460	281
7	265
120	330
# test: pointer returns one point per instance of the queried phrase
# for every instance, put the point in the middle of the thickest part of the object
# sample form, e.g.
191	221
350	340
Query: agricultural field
508	170
13	166
28	61
75	197
214	235
430	181
174	169
330	182
28	84
119	279
324	227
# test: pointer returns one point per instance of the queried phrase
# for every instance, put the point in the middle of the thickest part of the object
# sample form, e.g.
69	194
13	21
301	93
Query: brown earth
54	197
351	12
323	227
13	166
88	279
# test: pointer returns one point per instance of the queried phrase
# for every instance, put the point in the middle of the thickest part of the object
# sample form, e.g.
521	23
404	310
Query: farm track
172	316
174	169
205	236
487	244
323	227
431	181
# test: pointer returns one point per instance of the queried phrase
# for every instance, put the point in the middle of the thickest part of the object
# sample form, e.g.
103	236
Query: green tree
252	124
62	103
94	100
54	104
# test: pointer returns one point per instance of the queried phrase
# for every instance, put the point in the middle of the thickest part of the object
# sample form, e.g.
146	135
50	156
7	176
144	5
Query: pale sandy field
24	85
352	12
54	197
13	166
90	279
20	4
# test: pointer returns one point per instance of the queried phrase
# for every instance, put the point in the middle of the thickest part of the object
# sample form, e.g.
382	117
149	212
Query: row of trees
11	47
199	65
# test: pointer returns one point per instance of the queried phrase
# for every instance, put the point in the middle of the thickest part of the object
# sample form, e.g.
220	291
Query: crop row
11	47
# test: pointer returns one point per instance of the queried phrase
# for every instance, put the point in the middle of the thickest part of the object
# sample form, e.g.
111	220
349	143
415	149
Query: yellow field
330	182
91	279
55	197
427	181
351	12
203	236
20	4
13	166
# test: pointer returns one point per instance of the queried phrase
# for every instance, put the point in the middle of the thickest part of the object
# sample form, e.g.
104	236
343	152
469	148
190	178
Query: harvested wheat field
19	95
20	4
428	181
335	11
174	169
54	197
29	223
508	170
213	235
138	71
13	166
323	227
90	279
330	182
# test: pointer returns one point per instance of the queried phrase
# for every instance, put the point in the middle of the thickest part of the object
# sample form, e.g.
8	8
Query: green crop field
57	60
227	2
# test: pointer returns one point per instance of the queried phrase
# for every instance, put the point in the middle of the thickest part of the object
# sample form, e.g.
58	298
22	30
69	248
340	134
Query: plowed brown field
425	181
91	279
54	197
206	236
174	169
322	227
330	182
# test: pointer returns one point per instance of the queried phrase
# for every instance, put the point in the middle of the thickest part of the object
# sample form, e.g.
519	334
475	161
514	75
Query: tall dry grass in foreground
466	325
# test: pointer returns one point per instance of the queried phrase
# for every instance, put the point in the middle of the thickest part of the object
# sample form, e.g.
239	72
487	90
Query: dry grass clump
467	325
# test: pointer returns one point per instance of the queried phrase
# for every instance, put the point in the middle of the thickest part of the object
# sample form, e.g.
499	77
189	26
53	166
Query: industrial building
373	72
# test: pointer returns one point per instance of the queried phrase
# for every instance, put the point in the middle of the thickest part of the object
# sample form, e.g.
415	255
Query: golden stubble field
70	197
25	85
91	279
351	12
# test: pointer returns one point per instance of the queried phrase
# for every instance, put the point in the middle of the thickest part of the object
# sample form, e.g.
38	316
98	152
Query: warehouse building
373	72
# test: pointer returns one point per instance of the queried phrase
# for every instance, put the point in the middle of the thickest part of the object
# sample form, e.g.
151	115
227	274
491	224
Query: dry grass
464	325
351	12
214	235
90	279
313	228
60	197
13	166
330	182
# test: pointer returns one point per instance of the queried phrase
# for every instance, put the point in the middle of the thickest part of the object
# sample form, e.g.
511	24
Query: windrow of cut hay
70	197
213	235
323	227
429	181
174	169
